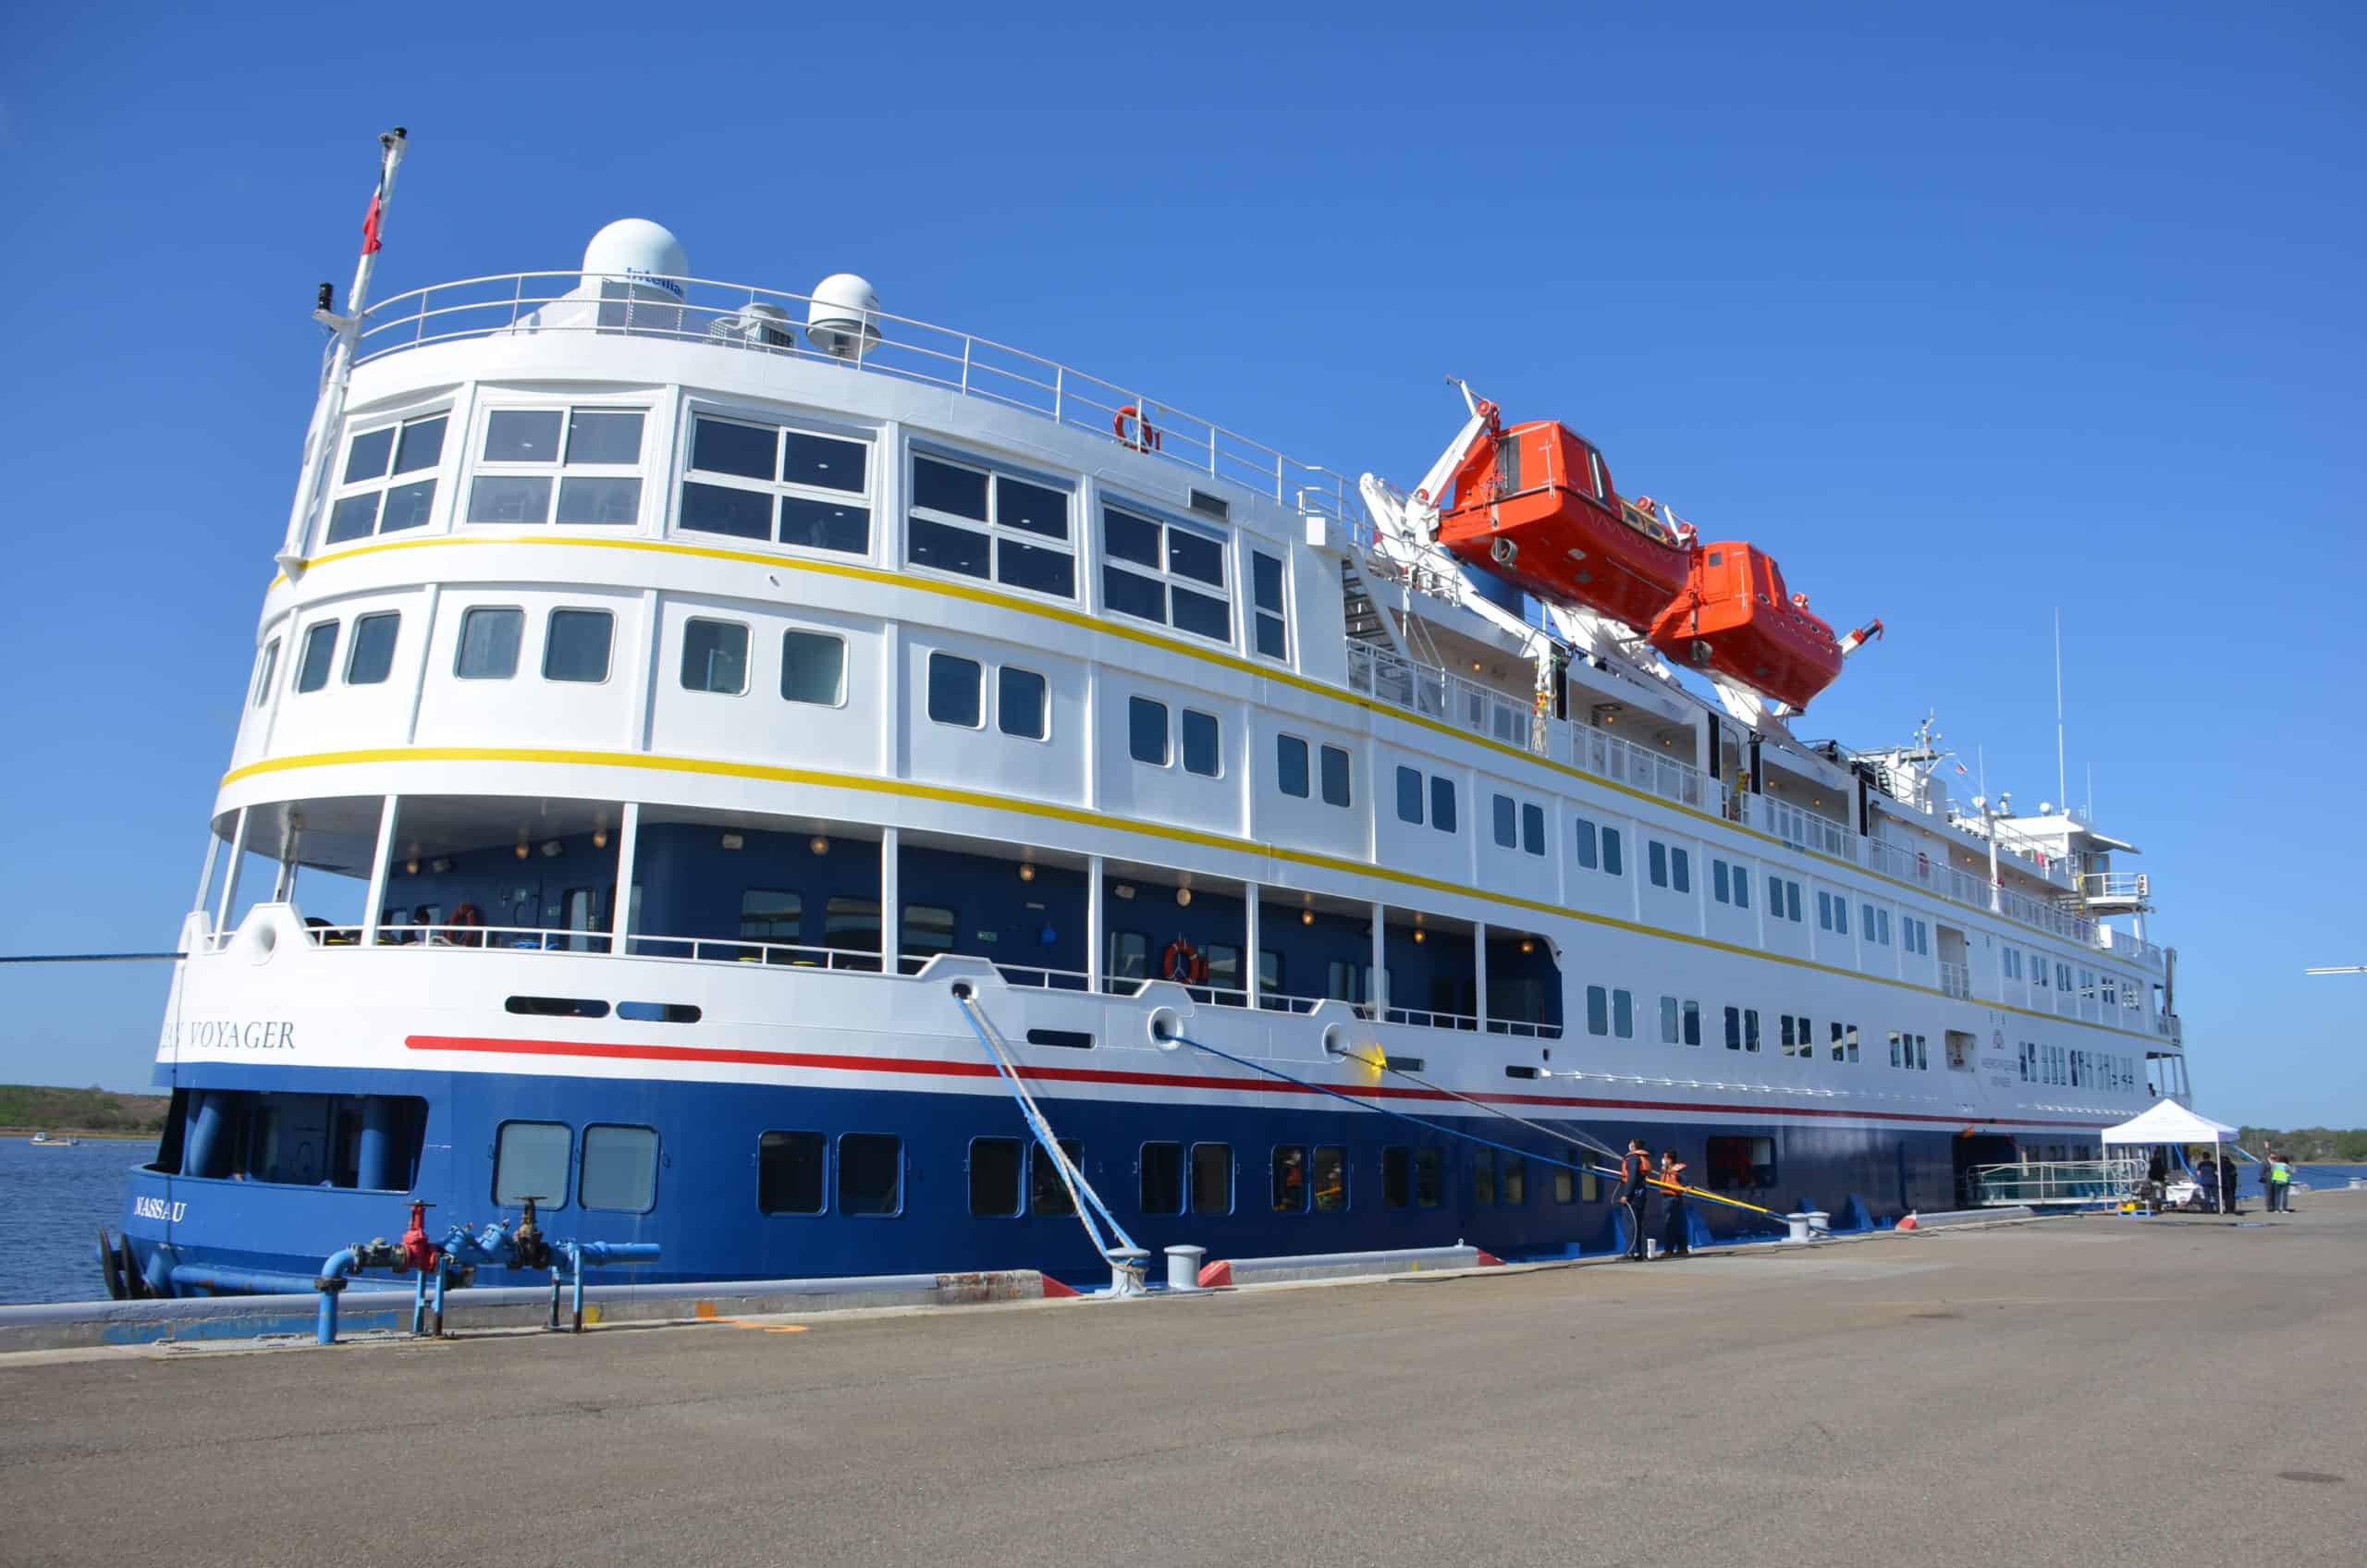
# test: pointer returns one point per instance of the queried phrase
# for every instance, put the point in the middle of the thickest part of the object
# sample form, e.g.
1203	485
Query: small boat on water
50	1141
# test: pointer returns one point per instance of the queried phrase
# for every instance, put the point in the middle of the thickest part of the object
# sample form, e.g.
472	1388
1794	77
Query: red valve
419	1253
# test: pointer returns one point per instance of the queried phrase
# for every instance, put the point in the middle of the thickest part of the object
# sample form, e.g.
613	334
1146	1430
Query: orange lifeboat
1735	620
1534	506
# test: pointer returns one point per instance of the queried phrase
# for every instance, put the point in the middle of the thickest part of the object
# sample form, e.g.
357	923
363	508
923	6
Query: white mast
2062	788
328	411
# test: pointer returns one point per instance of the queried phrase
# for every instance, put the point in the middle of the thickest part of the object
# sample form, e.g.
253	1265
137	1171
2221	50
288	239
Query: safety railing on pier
741	318
2052	1184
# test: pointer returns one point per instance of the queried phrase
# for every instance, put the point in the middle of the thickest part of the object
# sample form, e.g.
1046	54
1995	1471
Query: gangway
2066	1183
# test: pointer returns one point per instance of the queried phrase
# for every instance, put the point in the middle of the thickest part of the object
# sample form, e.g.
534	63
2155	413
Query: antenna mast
2062	788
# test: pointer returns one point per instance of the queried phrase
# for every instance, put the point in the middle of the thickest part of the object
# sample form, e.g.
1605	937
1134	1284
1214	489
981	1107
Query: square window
1035	507
1330	1178
1128	593
1125	537
604	436
521	435
319	657
354	518
871	1173
945	548
1020	703
1335	776
941	487
716	509
1409	796
1163	1179
790	1168
366	456
770	916
1147	731
371	657
407	507
812	669
824	525
1443	803
1203	752
422	446
1023	565
749	451
599	501
823	462
530	1160
575	646
510	498
619	1168
994	1177
1274	639
715	656
1200	615
1189	555
489	639
1212	1178
1290	765
956	690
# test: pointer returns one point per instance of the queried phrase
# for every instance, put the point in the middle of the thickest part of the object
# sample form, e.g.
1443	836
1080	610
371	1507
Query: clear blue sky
1967	313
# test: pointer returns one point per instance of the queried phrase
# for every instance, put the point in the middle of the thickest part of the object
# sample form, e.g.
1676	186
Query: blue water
51	1203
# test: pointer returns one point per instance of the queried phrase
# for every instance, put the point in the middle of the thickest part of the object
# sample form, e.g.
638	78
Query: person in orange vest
1677	1229
1635	1178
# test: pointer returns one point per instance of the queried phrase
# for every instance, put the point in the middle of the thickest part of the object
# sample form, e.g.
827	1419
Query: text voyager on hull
674	688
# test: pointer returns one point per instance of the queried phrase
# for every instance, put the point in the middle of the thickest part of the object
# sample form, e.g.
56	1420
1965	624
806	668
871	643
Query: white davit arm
1414	519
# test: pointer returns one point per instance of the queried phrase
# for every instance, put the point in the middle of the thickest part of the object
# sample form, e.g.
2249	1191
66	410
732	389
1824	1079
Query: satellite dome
844	317
638	249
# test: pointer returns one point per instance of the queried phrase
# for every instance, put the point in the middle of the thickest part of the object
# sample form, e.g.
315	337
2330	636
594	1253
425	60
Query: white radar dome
844	318
637	248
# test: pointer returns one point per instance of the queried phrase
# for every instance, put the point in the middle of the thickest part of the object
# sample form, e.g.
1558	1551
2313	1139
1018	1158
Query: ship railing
1802	828
2115	884
2052	1183
1623	761
1956	979
737	317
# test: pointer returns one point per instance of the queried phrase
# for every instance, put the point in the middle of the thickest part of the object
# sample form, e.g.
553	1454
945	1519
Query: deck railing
2052	1183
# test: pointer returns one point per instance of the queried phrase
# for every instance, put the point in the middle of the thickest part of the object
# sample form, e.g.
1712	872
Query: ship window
871	1173
1656	858
715	656
489	638
1290	1178
1011	514
956	690
1741	1162
1598	1009
928	928
765	481
1515	1185
1506	833
1330	1178
1588	858
1680	869
1212	1178
1179	565
1290	765
994	1177
812	669
1020	707
1147	731
619	1168
850	923
1161	1173
769	915
372	656
1692	1024
1266	592
575	645
1203	744
319	657
1611	865
267	665
530	1160
1335	776
788	1173
1720	888
1047	1193
1129	956
1443	803
1430	1178
1483	1177
1623	1014
556	1006
367	502
1409	796
1532	829
1397	1177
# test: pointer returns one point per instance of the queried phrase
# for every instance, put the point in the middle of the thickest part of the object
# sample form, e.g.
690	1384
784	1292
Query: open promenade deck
2083	1391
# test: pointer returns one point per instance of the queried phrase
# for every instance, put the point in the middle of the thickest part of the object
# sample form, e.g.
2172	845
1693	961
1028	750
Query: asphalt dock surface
2086	1391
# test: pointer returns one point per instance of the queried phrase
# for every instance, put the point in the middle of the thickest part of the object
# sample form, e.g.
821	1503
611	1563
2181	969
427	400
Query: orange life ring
1178	961
1145	438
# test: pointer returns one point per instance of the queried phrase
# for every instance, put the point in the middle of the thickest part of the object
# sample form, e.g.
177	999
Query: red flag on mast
377	210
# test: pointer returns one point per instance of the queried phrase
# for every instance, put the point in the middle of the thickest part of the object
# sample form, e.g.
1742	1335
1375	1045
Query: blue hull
706	1216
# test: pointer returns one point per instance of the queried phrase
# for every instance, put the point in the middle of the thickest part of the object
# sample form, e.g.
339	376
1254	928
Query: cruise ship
826	793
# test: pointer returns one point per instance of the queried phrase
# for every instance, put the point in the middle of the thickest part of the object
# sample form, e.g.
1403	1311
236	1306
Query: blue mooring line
1046	1139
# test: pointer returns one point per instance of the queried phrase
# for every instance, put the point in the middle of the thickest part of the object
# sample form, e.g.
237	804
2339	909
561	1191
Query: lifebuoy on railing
1181	963
1145	436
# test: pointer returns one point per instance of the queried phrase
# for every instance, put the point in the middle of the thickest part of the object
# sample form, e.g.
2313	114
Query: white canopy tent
2170	1123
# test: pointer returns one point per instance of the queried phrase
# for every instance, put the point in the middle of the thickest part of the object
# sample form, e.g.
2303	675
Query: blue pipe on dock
580	1253
331	1284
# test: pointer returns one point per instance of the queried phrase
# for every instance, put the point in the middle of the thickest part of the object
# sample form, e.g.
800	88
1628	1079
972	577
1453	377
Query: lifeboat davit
1535	506
1735	620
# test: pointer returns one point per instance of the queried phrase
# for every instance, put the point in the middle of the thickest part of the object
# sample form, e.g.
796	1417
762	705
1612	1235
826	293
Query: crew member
2280	1186
1636	1176
1676	1230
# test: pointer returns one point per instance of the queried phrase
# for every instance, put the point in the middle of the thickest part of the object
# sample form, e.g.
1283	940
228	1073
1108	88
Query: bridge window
575	645
1335	776
1290	765
619	1168
1165	573
715	656
587	458
319	657
956	690
530	1160
871	1173
371	657
774	484
267	665
1266	592
812	669
974	522
790	1168
489	638
994	1177
371	494
1020	705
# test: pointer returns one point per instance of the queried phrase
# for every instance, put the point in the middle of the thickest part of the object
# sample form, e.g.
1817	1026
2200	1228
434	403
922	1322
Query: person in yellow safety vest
2280	1186
1676	1230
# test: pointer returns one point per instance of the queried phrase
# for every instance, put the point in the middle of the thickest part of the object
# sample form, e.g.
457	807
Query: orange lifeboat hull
1535	507
1735	620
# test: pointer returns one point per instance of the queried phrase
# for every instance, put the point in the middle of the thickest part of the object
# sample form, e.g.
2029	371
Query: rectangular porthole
658	1012
789	1172
319	655
871	1175
575	645
994	1176
530	1159
1063	1039
1163	1179
619	1168
371	657
556	1007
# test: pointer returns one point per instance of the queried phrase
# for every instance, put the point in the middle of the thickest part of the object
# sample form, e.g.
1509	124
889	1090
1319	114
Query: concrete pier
2089	1391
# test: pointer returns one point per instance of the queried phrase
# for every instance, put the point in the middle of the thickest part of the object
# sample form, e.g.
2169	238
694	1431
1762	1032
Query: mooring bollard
1184	1268
1802	1227
1127	1265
